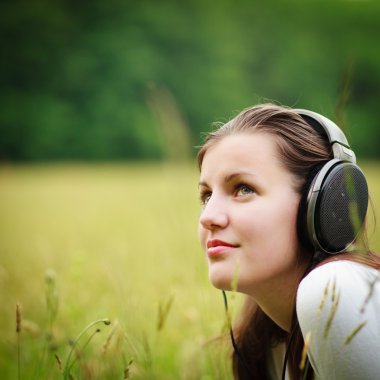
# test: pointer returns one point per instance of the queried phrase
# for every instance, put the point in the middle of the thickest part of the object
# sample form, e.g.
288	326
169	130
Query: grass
118	242
80	243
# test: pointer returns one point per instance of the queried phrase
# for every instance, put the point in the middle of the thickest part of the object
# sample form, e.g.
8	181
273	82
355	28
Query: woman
266	235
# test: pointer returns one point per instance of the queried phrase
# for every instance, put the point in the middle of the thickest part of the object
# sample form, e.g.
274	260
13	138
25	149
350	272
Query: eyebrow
232	176
228	178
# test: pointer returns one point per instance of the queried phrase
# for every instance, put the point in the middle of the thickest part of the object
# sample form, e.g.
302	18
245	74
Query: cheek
202	235
283	236
273	225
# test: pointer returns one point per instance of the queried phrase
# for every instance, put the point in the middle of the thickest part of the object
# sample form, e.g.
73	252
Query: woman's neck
277	298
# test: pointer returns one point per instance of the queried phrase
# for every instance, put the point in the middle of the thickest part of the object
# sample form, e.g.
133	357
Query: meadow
80	243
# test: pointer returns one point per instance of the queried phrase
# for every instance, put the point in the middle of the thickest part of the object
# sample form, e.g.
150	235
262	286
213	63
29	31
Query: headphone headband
335	199
337	139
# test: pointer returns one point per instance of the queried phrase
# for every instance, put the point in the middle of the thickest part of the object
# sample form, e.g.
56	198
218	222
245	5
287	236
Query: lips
217	247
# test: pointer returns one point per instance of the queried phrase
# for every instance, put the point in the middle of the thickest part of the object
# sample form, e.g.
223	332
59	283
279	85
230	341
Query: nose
214	215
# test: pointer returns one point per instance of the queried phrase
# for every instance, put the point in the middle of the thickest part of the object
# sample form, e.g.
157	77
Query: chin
221	280
223	275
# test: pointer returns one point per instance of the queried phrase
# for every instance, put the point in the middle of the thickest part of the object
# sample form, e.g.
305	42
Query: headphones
334	202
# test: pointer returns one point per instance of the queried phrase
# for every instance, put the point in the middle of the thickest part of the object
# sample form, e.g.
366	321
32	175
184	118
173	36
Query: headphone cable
287	354
234	345
237	352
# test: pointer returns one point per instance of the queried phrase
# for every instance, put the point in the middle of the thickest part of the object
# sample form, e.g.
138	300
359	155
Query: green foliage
77	77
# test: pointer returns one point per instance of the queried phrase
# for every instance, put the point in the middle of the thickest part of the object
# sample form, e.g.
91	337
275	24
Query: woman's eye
242	190
205	197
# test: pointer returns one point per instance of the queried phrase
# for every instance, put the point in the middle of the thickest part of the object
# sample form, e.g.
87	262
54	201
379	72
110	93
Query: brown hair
302	149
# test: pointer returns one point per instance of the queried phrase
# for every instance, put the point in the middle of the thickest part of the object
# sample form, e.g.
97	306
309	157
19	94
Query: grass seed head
18	319
305	350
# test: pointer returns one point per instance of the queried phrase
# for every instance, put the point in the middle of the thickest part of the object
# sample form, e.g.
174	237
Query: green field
83	242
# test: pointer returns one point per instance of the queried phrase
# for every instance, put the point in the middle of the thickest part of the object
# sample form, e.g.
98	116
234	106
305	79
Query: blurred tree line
141	79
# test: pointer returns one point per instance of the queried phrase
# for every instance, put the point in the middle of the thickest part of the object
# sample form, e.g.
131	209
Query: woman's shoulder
342	286
345	273
338	305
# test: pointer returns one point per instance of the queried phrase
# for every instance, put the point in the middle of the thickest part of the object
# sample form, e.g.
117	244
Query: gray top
338	307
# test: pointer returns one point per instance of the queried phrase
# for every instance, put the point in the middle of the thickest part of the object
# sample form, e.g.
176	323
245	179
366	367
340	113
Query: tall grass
79	243
82	242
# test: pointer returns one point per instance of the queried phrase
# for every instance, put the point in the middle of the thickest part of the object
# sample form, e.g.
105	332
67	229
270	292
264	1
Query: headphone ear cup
336	206
302	227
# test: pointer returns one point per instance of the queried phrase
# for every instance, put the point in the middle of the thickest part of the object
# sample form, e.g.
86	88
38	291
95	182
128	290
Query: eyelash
205	195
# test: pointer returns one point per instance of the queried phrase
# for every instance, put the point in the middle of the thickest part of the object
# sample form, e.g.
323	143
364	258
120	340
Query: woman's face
248	223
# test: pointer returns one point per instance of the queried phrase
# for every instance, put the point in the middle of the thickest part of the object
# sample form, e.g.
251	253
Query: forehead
256	152
243	148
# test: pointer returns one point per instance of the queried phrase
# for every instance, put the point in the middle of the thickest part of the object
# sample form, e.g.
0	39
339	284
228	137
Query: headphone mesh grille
342	207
